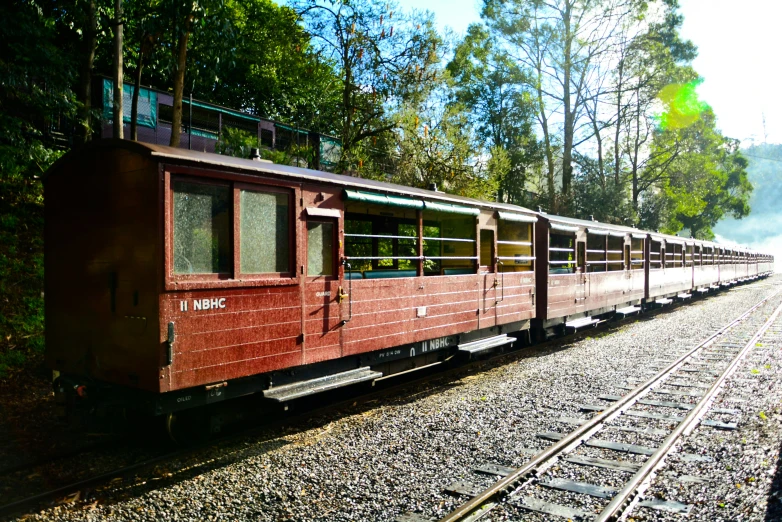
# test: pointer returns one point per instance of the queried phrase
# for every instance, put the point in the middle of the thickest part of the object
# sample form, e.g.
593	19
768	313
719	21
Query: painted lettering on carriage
202	304
434	344
323	294
184	399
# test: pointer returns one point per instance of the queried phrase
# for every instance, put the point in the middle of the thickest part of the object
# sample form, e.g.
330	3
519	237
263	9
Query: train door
323	295
490	280
582	278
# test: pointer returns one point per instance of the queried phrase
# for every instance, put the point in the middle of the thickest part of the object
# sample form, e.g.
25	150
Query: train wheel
187	427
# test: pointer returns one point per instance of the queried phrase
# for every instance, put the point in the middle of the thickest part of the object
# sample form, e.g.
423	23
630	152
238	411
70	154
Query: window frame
169	174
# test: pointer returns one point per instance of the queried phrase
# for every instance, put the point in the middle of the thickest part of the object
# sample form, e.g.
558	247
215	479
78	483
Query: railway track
391	387
699	374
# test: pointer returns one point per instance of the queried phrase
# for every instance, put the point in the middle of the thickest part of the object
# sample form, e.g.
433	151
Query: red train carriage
177	278
669	273
592	268
706	273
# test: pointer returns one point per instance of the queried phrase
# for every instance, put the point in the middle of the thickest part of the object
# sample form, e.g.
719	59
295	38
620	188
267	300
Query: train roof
171	154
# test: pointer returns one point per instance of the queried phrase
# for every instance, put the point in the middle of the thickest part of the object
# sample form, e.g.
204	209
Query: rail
512	483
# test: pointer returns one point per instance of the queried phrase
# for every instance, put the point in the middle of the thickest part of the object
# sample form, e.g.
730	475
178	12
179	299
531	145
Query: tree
270	68
562	43
705	178
384	59
492	88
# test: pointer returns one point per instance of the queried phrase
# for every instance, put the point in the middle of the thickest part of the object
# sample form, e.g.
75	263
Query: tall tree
384	59
562	42
492	87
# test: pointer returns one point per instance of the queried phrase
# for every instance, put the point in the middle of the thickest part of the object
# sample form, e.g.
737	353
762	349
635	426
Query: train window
487	249
562	259
320	248
615	252
596	253
636	253
449	243
381	241
656	254
514	246
673	255
264	228
202	228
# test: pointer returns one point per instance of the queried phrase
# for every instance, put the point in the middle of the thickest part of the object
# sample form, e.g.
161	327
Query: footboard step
702	290
549	508
628	310
489	343
295	390
667	505
664	301
684	296
581	323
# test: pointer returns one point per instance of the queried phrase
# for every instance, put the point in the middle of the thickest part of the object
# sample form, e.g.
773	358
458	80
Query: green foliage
492	87
384	60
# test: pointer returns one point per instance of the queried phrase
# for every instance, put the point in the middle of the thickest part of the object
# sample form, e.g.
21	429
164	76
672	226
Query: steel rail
509	483
621	499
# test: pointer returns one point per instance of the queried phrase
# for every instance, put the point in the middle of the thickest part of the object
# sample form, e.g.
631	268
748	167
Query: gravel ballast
398	456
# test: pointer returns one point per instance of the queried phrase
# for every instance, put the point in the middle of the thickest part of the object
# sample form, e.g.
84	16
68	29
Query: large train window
656	253
264	231
615	253
381	241
636	253
202	228
596	253
674	257
449	243
562	253
514	246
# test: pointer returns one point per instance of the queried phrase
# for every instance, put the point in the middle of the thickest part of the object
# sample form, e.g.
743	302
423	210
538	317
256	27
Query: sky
739	44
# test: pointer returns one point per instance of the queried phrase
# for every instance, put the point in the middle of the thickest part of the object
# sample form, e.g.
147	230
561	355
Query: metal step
684	296
664	301
295	390
702	290
581	323
488	343
628	310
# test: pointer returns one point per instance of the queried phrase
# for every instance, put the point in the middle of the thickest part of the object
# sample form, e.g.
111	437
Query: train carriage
669	274
592	269
198	277
706	274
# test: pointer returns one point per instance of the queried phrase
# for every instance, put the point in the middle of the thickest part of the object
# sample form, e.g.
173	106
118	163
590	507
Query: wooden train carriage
590	269
706	274
196	277
669	272
765	264
727	264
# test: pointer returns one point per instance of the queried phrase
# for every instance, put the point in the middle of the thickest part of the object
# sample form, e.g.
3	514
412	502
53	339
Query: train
176	279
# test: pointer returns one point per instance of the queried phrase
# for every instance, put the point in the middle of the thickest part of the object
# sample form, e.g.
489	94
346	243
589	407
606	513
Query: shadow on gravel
774	506
187	468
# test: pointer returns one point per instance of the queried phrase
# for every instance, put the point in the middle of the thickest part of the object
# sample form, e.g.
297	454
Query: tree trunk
84	91
117	115
619	90
136	89
636	148
567	141
179	81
